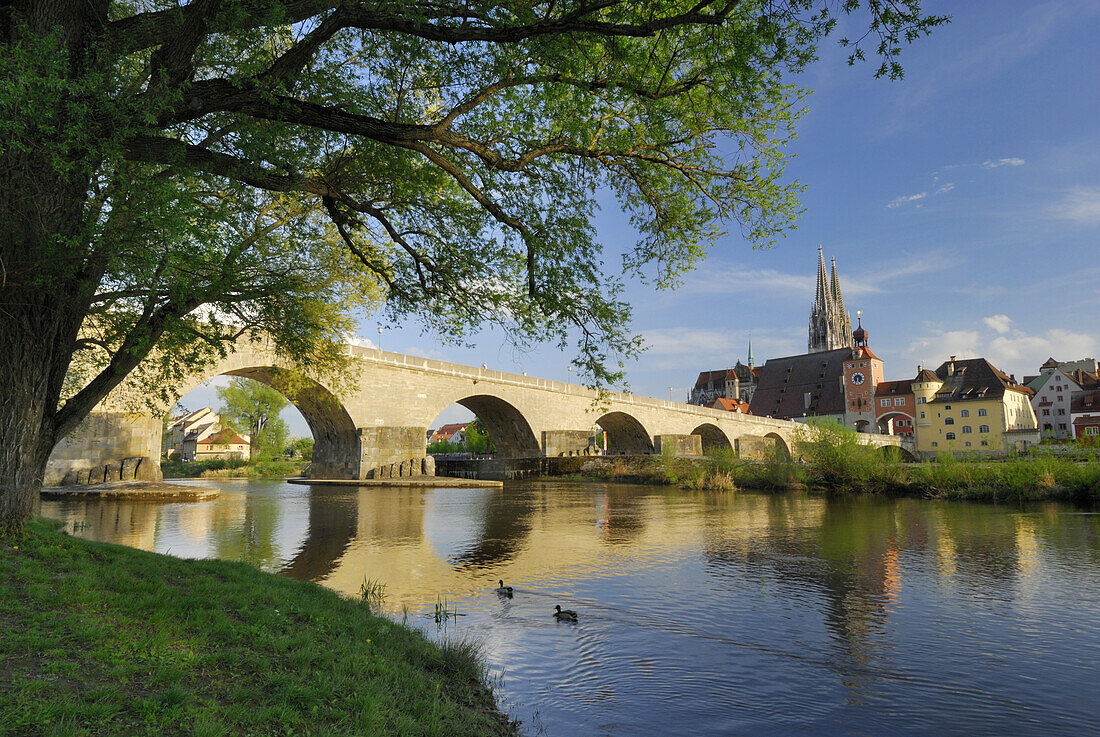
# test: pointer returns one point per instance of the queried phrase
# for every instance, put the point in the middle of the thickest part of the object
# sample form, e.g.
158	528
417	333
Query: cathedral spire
750	351
830	325
834	288
821	302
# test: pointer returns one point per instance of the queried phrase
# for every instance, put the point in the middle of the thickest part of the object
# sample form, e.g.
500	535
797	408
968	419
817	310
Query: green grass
218	468
99	639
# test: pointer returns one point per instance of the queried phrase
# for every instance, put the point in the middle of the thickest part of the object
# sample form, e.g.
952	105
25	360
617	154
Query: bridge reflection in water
725	612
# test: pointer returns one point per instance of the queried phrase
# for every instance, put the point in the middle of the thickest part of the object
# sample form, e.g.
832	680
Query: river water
700	613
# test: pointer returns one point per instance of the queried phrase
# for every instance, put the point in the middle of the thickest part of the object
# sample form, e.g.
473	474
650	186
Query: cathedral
830	325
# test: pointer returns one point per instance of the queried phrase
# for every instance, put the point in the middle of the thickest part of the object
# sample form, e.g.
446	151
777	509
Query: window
966	429
983	428
967	443
1046	412
985	442
899	401
949	420
964	413
1061	398
982	412
935	444
947	406
950	436
884	402
922	415
1061	411
1088	431
922	400
1061	426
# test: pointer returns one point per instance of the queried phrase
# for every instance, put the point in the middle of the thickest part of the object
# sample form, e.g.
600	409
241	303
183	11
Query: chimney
951	367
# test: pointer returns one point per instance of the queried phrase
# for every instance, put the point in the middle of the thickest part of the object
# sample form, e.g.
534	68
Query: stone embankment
133	468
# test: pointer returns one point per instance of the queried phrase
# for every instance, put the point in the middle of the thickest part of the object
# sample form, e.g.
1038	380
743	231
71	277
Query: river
699	613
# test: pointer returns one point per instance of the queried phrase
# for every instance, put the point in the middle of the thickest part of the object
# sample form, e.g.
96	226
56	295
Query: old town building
970	405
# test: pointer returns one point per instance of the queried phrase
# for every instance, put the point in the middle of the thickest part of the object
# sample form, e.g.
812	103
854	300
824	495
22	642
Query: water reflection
700	613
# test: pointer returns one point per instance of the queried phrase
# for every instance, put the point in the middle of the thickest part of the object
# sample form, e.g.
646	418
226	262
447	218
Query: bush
838	460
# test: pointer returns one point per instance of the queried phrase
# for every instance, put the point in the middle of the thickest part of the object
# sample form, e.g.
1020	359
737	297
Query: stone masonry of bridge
378	428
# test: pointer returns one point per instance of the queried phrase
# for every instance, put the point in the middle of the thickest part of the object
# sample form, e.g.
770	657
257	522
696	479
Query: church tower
830	325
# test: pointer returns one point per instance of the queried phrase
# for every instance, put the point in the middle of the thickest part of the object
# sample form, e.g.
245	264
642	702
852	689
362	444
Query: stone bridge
379	426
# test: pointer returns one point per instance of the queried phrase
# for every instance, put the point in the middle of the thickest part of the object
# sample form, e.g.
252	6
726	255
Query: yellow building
970	405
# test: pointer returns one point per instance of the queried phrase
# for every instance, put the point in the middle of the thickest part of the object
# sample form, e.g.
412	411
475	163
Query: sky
962	204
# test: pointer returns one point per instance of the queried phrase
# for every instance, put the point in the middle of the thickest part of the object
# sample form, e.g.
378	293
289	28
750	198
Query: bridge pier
678	445
383	448
107	446
563	442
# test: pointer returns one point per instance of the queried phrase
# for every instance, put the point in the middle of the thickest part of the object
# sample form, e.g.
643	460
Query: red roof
730	405
893	388
225	436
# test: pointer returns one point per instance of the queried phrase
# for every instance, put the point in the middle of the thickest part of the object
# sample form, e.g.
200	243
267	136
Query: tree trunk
26	433
46	276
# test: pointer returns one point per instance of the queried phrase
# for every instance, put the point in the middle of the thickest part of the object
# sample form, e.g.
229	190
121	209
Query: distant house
189	438
1085	414
895	407
178	428
223	443
453	433
1054	389
730	405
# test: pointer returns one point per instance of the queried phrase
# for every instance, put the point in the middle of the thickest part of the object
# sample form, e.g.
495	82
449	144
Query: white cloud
355	340
905	199
1009	348
698	349
994	163
1081	206
945	188
725	278
1001	323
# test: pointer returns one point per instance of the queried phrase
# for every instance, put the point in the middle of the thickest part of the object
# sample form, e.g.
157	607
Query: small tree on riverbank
254	408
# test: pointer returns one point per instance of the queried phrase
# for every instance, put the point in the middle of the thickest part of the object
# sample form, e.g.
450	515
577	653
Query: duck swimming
503	590
564	615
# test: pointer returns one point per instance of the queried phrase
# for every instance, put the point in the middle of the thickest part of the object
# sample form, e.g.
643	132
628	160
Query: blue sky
962	205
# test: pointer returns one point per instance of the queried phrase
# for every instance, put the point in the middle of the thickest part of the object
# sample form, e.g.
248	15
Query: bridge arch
887	422
508	428
712	437
336	447
781	446
898	452
625	434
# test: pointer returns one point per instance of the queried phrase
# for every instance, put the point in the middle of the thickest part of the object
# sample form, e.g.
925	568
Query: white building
1054	390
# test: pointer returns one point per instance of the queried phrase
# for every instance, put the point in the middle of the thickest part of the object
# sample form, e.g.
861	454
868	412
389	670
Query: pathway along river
700	613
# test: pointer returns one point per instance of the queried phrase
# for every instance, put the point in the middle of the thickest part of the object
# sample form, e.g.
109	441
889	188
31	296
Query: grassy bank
836	462
223	469
101	639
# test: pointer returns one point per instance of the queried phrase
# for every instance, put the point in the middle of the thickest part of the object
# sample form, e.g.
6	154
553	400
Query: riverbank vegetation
220	468
829	458
101	639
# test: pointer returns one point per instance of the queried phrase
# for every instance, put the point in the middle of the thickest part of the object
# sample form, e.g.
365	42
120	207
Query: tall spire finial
750	351
822	300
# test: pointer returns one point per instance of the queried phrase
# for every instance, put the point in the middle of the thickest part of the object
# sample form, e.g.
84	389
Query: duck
503	590
564	615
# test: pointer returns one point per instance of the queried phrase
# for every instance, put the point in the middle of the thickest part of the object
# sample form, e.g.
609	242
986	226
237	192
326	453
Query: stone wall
107	446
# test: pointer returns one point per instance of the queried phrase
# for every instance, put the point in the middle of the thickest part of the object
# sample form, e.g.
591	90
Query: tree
280	164
254	408
302	448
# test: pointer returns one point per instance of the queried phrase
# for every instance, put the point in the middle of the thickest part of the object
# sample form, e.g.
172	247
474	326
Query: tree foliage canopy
254	408
174	175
